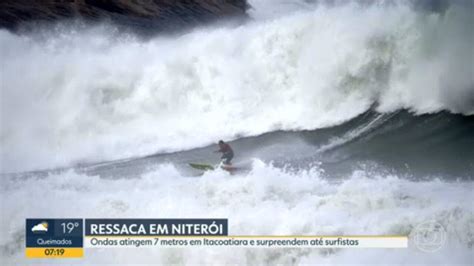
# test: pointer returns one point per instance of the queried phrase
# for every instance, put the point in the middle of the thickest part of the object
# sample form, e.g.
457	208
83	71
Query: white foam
265	201
81	95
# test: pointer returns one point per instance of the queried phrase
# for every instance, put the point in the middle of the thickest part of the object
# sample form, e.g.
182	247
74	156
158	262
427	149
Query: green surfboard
201	166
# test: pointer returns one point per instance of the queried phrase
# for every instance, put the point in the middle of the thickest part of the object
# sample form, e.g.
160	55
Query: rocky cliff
156	15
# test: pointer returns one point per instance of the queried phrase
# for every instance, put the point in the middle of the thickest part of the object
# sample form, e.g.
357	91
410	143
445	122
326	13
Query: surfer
227	152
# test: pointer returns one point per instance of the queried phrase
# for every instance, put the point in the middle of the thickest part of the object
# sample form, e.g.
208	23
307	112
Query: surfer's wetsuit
227	152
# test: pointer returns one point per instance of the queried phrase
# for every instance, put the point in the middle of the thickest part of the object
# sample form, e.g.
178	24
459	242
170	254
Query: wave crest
94	94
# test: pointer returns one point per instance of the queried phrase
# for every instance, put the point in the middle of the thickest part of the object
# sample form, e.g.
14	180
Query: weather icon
41	227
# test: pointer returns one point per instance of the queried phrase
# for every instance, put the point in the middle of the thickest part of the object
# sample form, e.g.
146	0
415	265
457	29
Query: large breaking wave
81	94
358	116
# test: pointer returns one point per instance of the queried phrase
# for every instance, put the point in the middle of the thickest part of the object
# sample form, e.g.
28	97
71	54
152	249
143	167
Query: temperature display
69	227
54	238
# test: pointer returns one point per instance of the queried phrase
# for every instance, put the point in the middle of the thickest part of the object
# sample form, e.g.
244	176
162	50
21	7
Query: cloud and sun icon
41	227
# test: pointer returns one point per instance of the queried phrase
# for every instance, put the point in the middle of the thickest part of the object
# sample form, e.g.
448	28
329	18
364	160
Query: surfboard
201	166
208	167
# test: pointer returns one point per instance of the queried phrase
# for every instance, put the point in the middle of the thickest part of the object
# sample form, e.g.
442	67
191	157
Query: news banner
69	238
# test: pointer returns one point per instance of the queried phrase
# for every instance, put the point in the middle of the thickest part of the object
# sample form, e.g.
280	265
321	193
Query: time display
54	238
54	251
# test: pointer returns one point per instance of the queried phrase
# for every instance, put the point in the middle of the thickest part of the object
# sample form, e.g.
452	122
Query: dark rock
154	15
